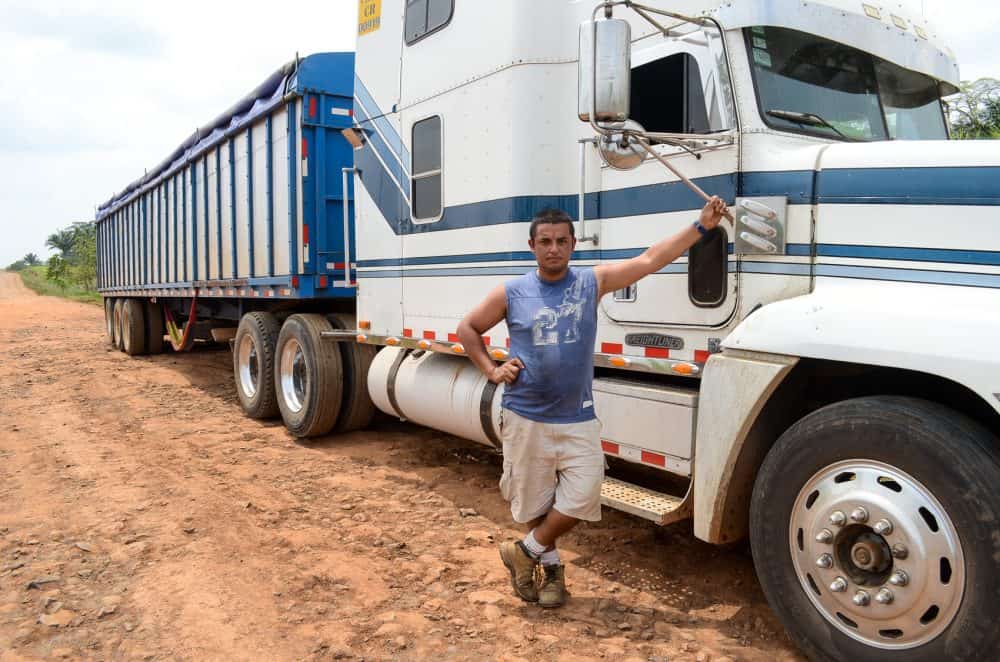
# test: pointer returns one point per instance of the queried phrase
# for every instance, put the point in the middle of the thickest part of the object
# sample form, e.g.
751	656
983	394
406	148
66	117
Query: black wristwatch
702	230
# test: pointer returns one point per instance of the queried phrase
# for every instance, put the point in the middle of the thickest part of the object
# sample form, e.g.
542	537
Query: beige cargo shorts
551	465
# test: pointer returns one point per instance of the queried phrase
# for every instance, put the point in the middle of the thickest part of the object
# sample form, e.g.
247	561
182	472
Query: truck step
642	502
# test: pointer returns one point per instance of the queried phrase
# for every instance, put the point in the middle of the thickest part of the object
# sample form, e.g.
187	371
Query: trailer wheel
154	327
116	314
357	409
873	528
133	327
309	376
109	318
253	364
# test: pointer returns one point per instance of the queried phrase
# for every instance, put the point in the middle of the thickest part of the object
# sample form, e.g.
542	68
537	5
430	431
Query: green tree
31	260
76	260
62	241
975	111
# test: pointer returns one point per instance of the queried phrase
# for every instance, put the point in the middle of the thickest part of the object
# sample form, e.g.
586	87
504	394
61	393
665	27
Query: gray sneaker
552	592
522	569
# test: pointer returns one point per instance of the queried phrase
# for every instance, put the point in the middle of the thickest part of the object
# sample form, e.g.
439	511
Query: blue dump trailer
245	233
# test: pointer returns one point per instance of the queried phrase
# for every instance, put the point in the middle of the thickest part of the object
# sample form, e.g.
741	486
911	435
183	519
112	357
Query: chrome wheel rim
126	329
877	554
248	364
294	377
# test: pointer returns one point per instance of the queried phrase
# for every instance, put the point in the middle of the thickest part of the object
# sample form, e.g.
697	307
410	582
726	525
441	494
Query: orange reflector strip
611	348
424	344
609	447
683	368
362	338
486	340
700	355
654	458
452	337
657	353
457	348
392	341
430	335
619	361
407	333
364	324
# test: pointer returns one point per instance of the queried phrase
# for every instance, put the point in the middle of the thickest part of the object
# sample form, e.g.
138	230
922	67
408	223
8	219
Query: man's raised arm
611	277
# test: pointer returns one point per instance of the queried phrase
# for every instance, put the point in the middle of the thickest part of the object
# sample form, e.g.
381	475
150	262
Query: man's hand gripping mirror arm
490	312
617	276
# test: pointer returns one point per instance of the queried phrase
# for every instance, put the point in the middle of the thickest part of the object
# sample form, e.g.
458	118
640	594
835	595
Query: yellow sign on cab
369	16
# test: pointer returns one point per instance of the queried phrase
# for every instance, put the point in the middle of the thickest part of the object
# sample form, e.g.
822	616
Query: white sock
550	557
535	548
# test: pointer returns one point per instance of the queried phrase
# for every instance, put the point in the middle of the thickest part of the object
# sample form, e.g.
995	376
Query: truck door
675	89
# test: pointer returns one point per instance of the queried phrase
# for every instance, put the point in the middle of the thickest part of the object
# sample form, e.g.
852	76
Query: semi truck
816	376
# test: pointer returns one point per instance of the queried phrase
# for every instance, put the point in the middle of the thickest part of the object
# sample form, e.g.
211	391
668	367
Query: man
553	462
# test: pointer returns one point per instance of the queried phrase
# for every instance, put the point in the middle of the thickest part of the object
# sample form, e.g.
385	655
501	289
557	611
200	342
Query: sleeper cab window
424	17
425	189
708	267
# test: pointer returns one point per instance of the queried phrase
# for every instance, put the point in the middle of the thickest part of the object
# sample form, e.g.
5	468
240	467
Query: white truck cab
821	372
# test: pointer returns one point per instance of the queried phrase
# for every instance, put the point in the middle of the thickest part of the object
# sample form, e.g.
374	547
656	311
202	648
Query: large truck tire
116	314
357	409
133	327
155	329
109	318
308	378
253	364
873	526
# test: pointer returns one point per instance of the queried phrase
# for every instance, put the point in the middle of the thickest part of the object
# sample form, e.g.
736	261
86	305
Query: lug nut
837	518
884	597
899	551
899	578
883	527
838	585
824	536
859	515
825	561
861	599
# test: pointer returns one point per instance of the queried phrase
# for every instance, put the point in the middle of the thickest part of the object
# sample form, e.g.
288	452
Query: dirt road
143	517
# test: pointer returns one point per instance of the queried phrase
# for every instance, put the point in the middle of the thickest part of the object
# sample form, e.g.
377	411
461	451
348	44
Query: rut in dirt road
142	516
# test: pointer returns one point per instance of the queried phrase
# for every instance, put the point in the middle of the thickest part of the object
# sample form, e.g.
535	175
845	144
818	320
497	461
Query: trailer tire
109	318
116	313
133	327
357	409
154	327
254	365
308	376
873	530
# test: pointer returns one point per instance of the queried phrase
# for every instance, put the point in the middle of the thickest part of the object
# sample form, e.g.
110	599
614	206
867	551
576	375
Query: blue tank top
553	327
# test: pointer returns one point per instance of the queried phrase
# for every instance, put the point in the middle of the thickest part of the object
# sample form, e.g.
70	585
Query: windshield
845	93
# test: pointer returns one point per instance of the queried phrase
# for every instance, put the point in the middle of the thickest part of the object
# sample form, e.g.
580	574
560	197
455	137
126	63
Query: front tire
309	376
253	364
873	529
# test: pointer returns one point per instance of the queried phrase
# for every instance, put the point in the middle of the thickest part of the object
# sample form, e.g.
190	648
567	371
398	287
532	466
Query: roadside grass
34	279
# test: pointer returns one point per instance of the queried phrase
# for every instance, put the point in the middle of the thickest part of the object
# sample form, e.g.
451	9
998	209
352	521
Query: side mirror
605	70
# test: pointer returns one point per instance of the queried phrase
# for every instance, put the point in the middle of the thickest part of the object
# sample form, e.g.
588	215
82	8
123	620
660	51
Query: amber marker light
362	338
683	369
392	342
457	348
364	324
619	362
499	354
424	344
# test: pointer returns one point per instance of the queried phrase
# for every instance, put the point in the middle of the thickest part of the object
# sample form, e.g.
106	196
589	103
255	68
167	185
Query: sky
93	92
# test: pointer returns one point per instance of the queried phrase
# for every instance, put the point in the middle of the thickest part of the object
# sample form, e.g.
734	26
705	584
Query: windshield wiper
808	119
